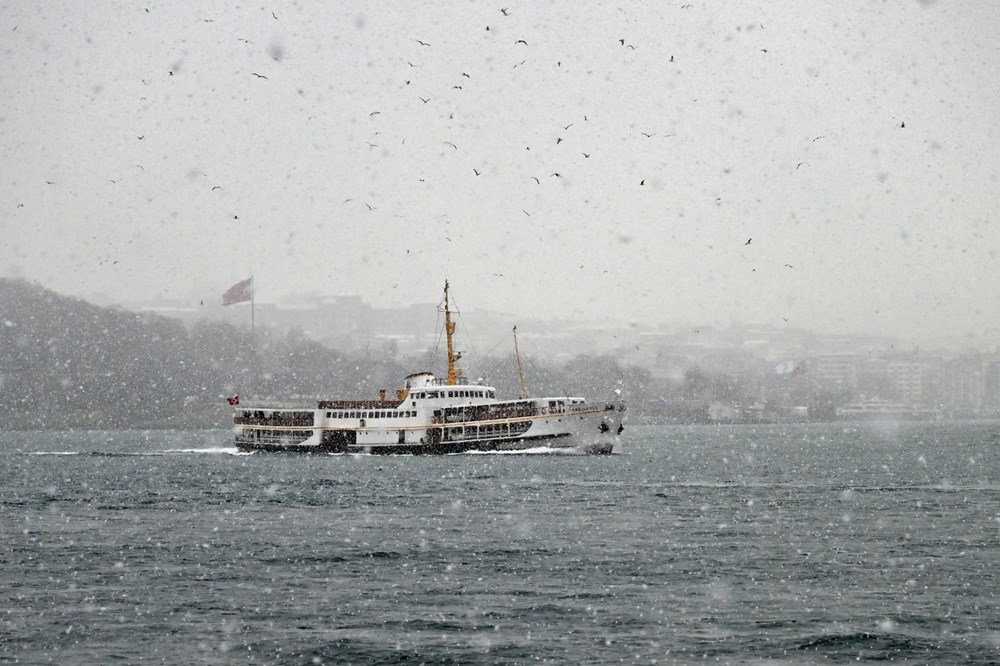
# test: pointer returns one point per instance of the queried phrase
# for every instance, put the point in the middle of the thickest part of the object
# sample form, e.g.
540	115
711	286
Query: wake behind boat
433	415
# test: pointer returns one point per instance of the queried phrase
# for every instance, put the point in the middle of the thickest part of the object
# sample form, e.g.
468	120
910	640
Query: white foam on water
229	450
537	450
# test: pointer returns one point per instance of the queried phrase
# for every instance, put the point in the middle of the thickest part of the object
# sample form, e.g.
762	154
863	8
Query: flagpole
252	325
253	337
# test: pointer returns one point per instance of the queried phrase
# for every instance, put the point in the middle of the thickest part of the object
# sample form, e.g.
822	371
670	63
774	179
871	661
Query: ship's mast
449	329
523	393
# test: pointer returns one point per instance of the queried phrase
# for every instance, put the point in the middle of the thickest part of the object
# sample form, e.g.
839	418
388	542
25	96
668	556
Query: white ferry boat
434	415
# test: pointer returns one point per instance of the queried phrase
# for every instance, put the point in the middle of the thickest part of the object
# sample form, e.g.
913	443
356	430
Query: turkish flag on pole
239	292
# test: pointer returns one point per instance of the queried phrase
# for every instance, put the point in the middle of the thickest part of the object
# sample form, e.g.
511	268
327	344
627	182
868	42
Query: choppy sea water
735	544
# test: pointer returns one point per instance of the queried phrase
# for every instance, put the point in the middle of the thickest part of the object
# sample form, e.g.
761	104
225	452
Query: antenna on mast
523	392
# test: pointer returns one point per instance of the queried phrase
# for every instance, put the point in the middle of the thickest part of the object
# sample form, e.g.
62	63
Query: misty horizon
830	169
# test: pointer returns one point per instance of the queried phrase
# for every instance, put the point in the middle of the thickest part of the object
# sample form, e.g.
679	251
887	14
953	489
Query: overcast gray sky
168	150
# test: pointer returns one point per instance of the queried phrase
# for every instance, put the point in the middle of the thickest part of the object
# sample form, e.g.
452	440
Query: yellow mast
449	329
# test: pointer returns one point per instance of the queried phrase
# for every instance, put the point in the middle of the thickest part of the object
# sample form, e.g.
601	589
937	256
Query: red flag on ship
235	400
239	292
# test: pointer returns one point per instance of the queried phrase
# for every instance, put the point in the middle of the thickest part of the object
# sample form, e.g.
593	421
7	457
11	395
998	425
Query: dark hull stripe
517	444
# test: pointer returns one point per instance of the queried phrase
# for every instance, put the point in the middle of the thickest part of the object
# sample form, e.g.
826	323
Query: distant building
839	370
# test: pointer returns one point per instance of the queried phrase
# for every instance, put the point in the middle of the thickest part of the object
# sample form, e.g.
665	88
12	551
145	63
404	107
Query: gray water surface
735	544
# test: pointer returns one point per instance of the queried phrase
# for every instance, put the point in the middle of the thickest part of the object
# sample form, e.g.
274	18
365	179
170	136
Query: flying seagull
748	241
259	76
422	43
520	41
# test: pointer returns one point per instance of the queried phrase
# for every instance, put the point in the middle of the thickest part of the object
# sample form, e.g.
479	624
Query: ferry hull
560	443
593	432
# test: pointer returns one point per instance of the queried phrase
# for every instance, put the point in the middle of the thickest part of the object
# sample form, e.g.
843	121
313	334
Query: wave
867	645
229	450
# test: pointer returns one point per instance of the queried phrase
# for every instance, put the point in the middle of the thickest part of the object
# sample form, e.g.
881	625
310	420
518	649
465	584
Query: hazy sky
168	150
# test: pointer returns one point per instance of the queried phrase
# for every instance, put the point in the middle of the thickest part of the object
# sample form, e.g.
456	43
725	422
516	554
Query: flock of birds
465	79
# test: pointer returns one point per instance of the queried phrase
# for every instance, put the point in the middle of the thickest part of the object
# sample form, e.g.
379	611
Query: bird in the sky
556	174
585	155
521	41
642	182
456	87
568	126
558	140
259	76
801	163
476	171
141	137
648	136
425	100
748	241
536	180
902	125
217	187
466	75
374	113
818	138
422	43
503	10
449	143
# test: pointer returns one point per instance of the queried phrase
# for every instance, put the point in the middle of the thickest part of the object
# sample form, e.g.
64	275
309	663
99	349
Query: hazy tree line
68	363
